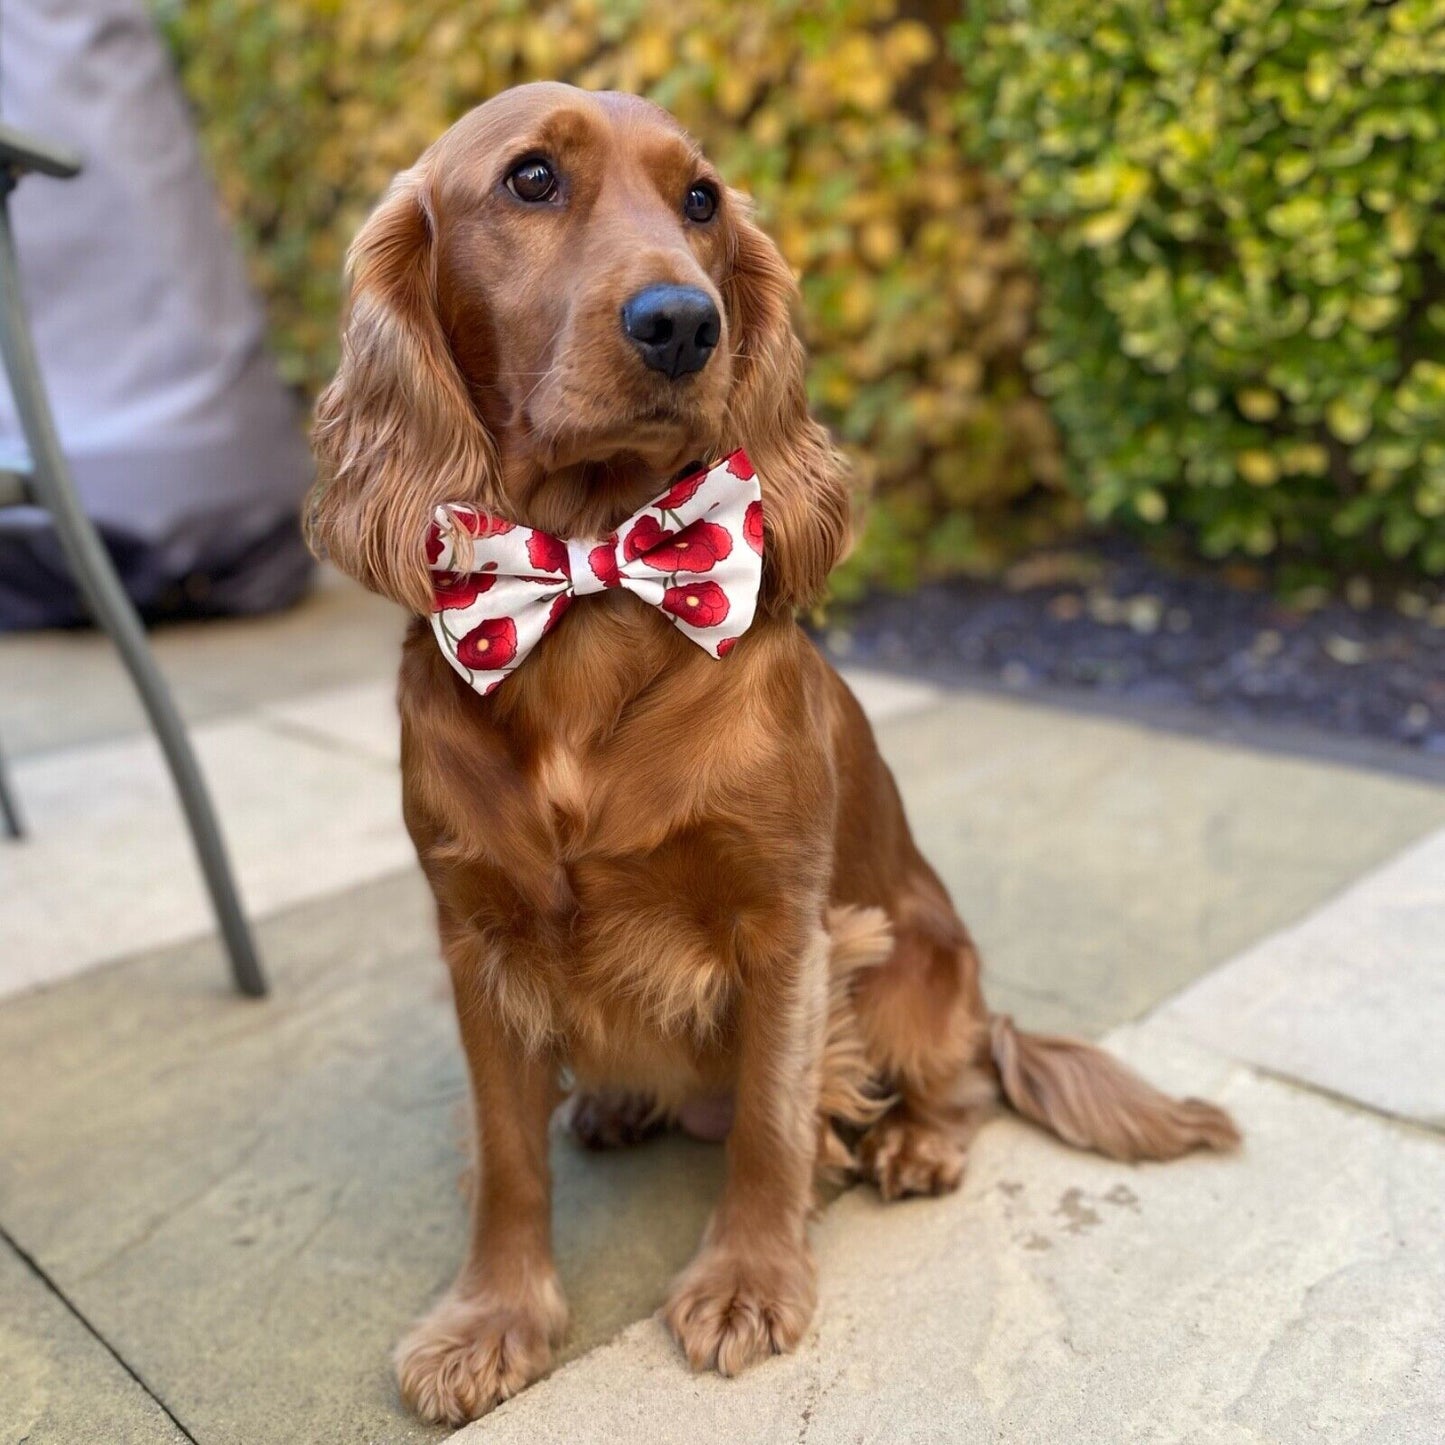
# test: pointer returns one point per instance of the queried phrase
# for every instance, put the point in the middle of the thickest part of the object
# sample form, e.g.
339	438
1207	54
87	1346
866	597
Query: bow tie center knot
579	562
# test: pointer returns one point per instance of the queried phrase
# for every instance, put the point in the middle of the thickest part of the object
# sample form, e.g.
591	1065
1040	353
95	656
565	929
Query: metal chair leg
9	809
96	577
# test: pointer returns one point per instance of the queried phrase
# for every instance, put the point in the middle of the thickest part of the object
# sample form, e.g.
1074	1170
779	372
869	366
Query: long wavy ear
806	498
395	432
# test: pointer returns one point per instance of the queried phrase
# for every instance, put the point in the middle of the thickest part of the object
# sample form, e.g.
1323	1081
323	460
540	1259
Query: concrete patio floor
217	1215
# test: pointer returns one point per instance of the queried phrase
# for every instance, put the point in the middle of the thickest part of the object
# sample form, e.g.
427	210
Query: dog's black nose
673	327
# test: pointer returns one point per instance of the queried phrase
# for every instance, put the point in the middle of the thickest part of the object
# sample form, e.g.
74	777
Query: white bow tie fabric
695	553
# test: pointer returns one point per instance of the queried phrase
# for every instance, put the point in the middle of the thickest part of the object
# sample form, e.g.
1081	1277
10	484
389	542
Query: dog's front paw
729	1309
470	1353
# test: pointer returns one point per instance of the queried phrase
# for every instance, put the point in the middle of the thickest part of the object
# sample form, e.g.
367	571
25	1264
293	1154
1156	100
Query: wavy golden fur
666	878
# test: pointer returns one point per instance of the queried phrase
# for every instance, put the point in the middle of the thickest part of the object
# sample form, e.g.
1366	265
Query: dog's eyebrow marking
558	136
687	154
674	163
564	130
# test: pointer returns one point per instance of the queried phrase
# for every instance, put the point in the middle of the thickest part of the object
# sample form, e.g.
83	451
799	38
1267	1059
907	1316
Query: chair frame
47	484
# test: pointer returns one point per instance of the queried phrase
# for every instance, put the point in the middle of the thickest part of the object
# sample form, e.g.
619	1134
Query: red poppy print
560	603
740	466
459	589
547	553
680	492
726	646
753	526
602	559
694	549
699	604
434	544
489	645
646	534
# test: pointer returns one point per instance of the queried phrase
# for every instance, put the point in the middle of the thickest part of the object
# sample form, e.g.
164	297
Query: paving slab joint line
313	737
147	950
1432	1129
1200	722
1156	1014
35	1268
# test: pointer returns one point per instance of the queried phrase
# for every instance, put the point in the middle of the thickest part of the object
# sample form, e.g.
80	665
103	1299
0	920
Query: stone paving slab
59	1385
107	869
885	697
250	1200
65	689
1352	1000
1103	866
362	717
1291	1293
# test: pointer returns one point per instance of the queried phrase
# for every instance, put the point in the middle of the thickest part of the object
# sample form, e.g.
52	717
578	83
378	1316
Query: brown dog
670	877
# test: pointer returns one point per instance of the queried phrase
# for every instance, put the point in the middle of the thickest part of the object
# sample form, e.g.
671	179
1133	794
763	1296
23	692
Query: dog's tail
1092	1101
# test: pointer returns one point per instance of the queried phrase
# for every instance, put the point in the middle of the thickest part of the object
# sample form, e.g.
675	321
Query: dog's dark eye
533	180
700	204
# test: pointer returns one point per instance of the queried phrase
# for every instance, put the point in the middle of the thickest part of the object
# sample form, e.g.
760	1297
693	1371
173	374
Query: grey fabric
182	439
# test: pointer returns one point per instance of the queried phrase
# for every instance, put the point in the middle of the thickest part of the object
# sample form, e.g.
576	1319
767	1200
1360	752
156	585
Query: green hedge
839	117
1237	212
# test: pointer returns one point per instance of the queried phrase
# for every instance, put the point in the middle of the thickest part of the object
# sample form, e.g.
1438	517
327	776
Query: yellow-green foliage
1238	215
837	117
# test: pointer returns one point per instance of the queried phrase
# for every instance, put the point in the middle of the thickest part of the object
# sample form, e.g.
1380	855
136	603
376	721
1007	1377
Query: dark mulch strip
1115	621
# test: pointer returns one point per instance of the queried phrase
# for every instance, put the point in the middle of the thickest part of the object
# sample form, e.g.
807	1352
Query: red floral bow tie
696	553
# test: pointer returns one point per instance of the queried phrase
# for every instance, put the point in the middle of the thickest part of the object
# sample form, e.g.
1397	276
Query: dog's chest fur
639	827
657	895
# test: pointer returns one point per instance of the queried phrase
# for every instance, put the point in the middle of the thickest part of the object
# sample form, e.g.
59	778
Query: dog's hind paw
903	1155
611	1120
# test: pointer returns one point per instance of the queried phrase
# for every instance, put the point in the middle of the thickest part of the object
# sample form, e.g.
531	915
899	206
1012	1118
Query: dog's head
557	309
